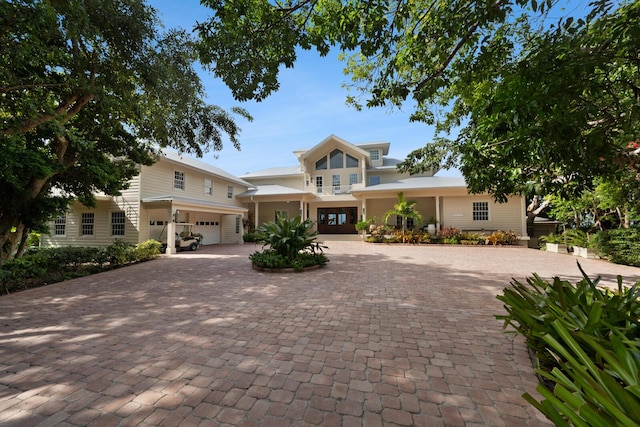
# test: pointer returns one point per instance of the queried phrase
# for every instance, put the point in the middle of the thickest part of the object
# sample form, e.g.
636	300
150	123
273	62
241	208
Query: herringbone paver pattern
384	335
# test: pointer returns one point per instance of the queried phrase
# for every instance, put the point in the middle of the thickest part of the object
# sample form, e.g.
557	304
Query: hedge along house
337	183
174	190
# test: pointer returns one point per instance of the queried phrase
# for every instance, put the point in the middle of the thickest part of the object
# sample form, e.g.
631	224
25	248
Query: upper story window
208	187
178	180
117	223
87	221
319	184
336	159
353	178
322	163
352	162
481	211
230	192
374	180
60	226
375	154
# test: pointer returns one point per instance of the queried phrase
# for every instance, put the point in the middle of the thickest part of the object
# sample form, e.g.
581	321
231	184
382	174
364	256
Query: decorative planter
431	229
584	252
560	248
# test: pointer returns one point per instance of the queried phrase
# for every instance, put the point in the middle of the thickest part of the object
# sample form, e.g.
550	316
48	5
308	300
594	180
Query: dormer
376	150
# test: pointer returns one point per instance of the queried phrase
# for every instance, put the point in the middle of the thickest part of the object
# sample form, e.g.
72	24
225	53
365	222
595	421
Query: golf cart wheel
193	246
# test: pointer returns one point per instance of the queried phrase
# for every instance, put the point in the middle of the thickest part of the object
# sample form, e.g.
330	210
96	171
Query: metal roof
271	190
416	183
197	164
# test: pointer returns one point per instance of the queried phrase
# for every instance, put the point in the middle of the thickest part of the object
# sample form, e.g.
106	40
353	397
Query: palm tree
404	209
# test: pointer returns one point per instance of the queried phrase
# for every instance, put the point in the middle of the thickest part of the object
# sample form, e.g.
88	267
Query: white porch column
363	209
302	212
171	238
438	213
255	214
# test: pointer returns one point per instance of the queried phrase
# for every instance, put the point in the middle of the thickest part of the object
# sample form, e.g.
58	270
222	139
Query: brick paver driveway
384	335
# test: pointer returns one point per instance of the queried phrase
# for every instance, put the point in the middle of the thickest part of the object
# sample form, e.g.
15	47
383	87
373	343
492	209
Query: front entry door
337	220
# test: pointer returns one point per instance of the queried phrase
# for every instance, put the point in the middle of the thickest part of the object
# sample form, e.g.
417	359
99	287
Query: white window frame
374	154
353	178
179	180
60	223
319	183
84	222
118	225
229	191
208	187
335	181
480	211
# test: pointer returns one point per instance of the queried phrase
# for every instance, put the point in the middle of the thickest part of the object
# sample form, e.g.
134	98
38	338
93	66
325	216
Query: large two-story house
335	183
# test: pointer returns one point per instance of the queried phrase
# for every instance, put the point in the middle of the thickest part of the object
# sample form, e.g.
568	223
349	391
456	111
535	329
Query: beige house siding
458	212
101	229
158	180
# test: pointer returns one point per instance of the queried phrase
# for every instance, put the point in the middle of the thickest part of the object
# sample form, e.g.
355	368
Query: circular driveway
384	335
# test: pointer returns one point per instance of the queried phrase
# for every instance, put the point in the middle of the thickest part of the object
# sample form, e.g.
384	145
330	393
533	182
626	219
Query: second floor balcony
334	190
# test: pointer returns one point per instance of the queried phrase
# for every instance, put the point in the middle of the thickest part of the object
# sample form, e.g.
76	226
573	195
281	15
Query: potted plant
363	226
555	243
432	225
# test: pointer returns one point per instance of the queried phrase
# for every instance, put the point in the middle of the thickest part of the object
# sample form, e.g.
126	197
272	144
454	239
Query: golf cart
185	238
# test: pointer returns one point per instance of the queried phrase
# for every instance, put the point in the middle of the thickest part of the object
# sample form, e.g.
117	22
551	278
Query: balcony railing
333	189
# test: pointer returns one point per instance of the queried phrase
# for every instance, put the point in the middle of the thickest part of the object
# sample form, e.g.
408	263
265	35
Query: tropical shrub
585	341
502	238
378	233
450	235
621	246
289	243
467	238
40	266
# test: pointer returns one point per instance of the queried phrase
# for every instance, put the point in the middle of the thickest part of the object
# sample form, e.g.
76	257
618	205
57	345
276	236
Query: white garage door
209	226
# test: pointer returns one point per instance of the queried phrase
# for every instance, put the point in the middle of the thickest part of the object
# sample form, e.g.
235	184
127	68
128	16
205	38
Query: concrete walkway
384	335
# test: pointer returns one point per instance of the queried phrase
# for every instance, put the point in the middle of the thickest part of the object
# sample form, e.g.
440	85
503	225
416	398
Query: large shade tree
541	104
89	90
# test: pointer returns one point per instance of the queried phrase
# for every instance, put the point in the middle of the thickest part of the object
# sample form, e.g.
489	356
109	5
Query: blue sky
309	106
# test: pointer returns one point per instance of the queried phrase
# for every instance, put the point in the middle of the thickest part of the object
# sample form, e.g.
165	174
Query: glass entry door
337	220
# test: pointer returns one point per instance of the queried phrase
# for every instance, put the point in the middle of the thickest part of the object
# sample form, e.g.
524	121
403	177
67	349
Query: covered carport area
217	223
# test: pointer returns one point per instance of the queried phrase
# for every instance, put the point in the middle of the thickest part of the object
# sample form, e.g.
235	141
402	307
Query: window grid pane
230	192
319	184
375	154
353	178
117	223
178	180
208	187
87	224
481	211
60	226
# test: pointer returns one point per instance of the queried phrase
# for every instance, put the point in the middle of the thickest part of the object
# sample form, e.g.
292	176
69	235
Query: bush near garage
585	343
43	266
